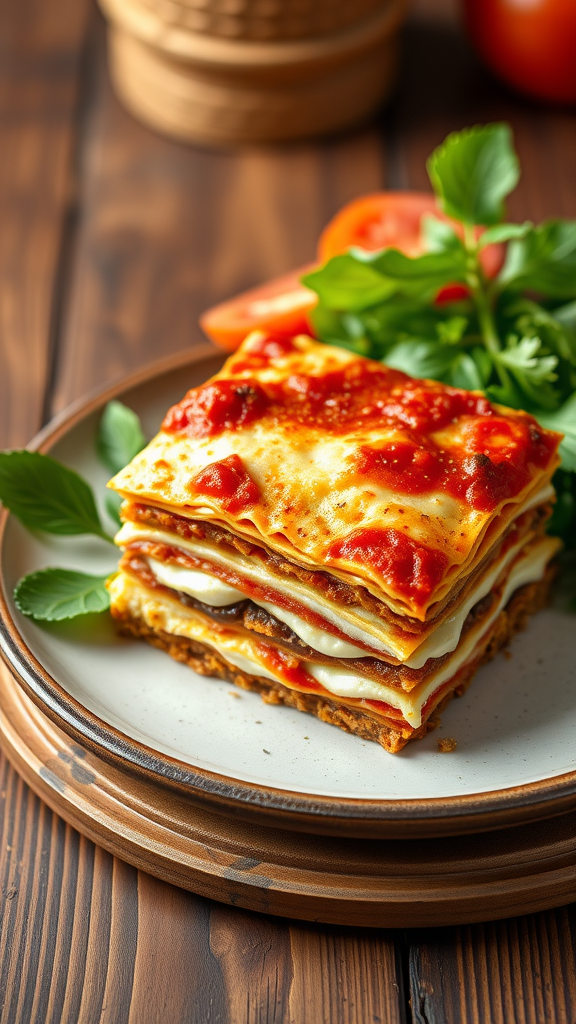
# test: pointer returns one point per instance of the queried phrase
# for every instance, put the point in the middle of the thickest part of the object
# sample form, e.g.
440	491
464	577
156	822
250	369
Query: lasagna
336	535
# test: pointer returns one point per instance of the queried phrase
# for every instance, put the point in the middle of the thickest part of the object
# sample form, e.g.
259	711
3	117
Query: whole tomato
531	44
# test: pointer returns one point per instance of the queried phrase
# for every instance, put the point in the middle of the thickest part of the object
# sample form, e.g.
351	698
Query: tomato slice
280	305
378	221
370	222
386	219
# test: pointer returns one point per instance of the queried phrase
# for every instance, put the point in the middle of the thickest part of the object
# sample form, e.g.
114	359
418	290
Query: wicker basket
262	19
223	83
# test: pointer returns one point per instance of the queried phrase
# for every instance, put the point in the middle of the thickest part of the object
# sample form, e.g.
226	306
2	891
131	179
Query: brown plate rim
352	816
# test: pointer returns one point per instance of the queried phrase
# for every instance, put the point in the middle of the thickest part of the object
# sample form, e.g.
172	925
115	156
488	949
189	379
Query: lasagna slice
336	535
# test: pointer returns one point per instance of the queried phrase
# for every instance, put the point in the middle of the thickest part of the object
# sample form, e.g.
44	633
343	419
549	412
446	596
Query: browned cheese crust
392	736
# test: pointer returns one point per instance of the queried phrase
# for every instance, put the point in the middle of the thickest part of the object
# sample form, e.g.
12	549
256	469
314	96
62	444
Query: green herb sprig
512	337
45	495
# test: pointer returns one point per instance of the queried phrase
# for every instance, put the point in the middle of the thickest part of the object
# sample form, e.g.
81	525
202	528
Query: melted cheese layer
163	613
358	623
204	587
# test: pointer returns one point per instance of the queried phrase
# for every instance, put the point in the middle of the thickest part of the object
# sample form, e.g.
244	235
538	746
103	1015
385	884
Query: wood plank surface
165	230
521	971
40	88
113	239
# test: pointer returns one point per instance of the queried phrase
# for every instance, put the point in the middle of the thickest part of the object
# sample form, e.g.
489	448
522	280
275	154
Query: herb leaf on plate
46	495
120	436
51	595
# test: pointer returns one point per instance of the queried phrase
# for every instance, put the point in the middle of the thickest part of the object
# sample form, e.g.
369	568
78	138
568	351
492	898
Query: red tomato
530	43
370	222
281	305
395	219
377	221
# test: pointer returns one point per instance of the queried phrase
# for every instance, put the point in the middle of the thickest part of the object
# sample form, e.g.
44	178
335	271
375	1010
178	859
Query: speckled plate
133	705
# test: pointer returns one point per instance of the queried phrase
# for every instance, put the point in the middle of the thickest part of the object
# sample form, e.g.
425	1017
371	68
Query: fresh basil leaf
464	373
420	358
505	394
51	595
451	331
348	283
503	233
566	315
342	330
544	261
401	318
484	363
45	495
562	523
438	235
422	276
473	171
120	436
353	326
563	420
112	503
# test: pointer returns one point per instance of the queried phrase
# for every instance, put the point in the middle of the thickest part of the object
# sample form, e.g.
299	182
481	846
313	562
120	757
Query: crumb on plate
447	745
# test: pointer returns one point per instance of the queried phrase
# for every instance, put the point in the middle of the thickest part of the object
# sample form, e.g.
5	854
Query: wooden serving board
362	882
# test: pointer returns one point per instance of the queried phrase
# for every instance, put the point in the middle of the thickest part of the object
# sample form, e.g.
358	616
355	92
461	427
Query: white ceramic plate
514	727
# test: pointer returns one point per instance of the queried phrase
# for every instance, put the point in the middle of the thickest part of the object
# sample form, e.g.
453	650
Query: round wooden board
375	883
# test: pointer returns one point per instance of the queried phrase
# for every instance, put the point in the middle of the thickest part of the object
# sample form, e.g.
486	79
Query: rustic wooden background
111	242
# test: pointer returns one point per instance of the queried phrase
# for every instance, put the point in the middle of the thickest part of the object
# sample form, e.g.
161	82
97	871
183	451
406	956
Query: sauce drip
228	482
406	566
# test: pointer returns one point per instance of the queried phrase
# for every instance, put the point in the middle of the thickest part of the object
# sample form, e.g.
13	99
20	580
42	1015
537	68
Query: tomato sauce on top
492	461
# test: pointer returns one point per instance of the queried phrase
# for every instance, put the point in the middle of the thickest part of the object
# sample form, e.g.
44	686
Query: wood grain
151	219
166	230
39	94
459	91
521	971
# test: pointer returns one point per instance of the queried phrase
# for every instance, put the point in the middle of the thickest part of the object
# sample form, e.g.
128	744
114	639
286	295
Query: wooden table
112	240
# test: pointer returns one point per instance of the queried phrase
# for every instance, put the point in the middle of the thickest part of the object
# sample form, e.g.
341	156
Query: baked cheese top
341	463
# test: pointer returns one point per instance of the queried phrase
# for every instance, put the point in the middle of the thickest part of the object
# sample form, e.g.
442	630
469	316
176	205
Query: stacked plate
263	806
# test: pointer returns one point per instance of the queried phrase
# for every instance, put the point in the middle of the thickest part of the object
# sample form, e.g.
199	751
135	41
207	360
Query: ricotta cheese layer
167	614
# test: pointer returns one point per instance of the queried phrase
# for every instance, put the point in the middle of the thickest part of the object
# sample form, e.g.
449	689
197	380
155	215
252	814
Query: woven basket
205	86
262	19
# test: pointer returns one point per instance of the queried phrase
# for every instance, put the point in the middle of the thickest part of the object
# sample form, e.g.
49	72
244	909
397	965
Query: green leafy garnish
45	495
120	436
51	595
564	420
473	171
512	336
119	439
543	261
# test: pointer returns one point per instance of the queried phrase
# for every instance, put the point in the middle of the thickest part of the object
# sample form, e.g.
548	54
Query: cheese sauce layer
340	462
318	621
258	658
